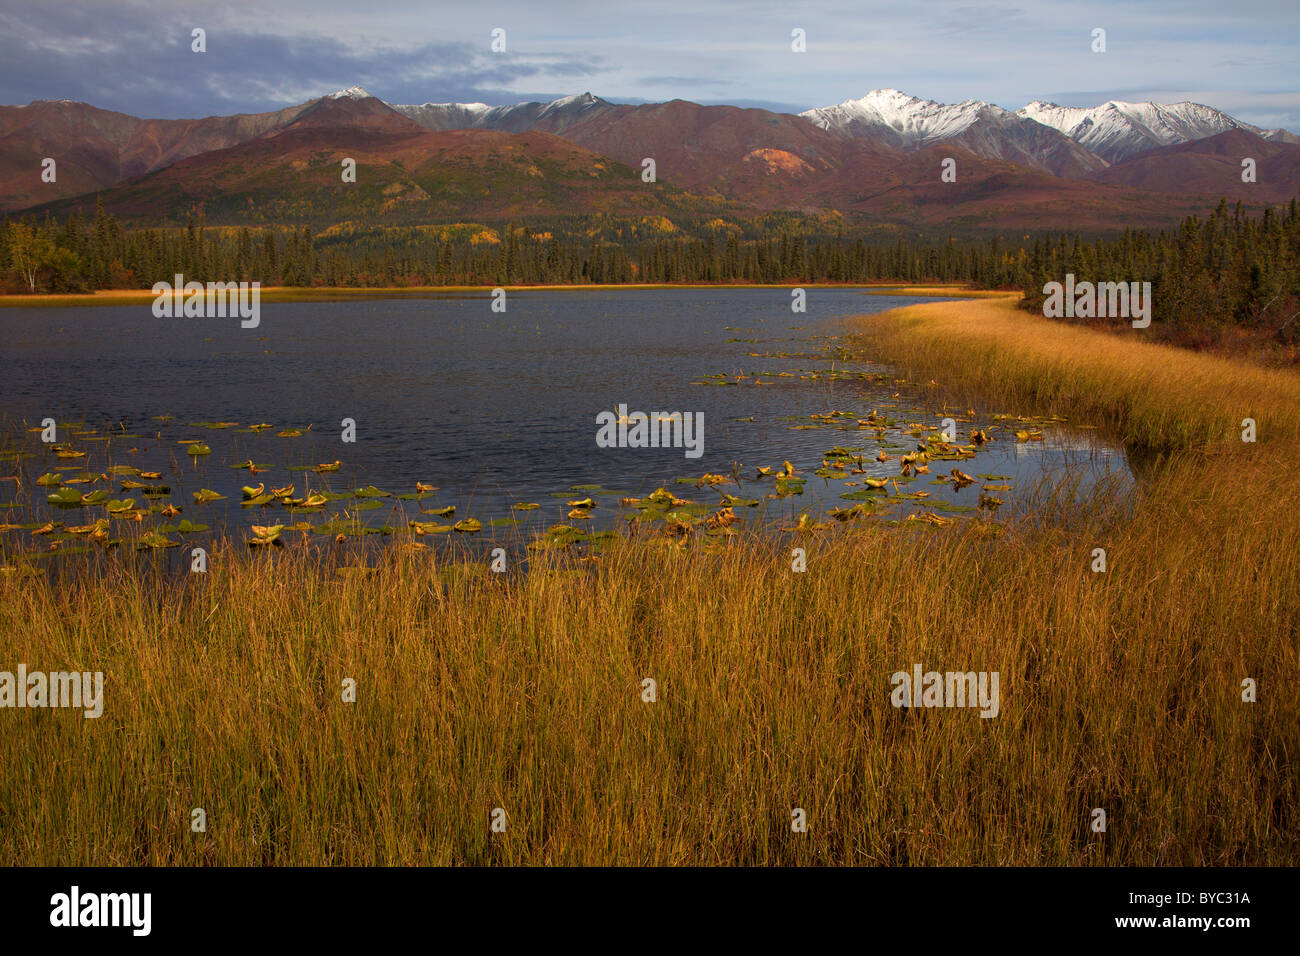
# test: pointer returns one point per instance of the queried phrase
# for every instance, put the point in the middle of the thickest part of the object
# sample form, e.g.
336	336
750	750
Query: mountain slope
1212	167
95	148
404	174
769	160
765	159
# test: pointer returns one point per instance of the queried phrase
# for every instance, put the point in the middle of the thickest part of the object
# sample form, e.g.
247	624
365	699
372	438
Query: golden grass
1153	396
1119	691
954	289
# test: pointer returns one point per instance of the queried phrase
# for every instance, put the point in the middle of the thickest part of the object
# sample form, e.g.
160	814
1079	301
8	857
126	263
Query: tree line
1226	270
78	255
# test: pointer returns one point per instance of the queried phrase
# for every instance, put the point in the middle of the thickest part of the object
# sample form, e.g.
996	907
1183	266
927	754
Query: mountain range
1042	166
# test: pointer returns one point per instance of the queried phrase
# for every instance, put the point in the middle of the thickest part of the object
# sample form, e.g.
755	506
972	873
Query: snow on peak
1118	129
351	93
577	99
512	119
467	107
1114	130
908	121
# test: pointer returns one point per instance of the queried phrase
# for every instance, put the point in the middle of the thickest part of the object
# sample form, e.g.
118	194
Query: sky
135	55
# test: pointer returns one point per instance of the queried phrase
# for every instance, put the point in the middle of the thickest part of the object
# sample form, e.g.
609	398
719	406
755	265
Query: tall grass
1119	691
1150	396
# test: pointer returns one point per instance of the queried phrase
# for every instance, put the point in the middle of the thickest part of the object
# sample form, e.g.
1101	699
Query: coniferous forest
1219	276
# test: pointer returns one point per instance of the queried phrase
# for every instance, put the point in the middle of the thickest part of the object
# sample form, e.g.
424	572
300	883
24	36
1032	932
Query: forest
1217	277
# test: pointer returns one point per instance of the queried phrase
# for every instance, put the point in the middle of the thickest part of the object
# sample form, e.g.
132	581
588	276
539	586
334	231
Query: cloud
134	55
142	63
694	82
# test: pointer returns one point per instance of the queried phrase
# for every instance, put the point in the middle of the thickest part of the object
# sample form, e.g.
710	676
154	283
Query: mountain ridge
879	155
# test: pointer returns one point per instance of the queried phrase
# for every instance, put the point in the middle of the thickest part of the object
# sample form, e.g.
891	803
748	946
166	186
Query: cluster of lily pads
143	494
887	444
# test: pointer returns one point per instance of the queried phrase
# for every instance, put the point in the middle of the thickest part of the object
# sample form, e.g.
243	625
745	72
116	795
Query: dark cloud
142	63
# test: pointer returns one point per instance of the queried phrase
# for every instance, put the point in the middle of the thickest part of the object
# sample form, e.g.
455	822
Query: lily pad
864	494
186	526
100	527
430	527
789	486
559	536
341	526
265	534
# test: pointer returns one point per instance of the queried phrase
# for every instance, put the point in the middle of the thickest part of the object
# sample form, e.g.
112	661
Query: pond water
492	409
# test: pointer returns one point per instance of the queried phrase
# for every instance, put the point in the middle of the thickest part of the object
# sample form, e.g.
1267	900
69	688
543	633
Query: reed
1150	396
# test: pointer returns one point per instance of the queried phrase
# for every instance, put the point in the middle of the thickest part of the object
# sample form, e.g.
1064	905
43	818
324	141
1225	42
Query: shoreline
117	297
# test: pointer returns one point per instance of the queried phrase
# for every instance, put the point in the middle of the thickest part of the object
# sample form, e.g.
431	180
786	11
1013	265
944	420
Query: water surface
491	408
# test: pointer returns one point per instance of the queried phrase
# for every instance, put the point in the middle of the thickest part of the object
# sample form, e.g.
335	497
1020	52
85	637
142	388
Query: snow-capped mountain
893	116
1107	134
440	116
351	93
910	123
1117	130
551	117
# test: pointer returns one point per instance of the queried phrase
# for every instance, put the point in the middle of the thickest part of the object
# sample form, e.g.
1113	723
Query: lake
491	408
